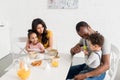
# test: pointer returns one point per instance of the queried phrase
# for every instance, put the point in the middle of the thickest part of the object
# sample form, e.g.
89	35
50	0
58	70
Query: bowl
33	54
52	52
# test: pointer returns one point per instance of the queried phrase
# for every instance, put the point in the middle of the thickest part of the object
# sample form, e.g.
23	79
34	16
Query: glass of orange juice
23	70
23	74
55	62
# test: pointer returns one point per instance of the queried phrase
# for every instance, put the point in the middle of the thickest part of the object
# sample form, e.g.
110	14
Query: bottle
84	44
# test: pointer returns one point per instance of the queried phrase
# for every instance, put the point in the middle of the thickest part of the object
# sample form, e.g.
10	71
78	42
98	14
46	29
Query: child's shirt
93	60
38	47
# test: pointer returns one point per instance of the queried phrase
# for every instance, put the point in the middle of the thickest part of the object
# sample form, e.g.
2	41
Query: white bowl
52	52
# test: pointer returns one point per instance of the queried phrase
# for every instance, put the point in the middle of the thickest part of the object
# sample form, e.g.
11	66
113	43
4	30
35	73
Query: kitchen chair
114	61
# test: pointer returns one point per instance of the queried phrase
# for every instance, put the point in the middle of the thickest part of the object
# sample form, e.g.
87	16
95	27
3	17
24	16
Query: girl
34	44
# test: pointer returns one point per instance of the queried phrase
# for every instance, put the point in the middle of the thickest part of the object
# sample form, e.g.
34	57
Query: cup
23	69
55	62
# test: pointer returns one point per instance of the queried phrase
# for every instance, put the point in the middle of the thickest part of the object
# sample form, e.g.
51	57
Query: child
34	45
93	58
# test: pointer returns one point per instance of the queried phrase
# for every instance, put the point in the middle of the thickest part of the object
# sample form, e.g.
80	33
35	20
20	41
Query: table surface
45	72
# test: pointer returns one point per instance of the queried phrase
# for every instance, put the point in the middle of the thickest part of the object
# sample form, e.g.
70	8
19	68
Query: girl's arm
27	47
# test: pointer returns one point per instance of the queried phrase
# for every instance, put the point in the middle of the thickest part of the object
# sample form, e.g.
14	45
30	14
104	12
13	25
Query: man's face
83	32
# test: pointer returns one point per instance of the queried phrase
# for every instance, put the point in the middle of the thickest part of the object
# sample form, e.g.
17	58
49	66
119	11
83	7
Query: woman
44	36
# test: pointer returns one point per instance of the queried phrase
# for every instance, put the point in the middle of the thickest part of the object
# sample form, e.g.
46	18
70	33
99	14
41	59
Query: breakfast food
36	63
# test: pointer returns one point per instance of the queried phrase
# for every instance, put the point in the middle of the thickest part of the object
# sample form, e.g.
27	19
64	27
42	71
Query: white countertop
44	72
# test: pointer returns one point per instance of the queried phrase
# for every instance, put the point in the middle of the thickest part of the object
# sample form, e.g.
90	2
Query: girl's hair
81	24
96	39
35	23
30	31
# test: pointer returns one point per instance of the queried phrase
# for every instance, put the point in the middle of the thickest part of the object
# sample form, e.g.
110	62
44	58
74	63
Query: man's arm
101	69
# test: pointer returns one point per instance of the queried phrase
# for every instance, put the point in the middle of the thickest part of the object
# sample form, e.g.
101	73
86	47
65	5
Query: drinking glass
55	62
23	68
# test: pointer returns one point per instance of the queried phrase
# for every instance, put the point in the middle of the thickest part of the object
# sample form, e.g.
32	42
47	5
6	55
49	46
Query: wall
102	15
5	41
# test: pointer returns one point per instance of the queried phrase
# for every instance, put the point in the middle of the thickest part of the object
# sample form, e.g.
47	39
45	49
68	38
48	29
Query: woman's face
33	38
84	32
40	28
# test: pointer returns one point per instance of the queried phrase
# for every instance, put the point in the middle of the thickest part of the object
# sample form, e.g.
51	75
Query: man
84	30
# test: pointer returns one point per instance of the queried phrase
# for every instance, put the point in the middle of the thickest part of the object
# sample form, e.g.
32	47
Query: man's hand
75	49
80	77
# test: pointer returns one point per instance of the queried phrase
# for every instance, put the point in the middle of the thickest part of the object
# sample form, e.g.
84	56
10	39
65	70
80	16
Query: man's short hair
81	24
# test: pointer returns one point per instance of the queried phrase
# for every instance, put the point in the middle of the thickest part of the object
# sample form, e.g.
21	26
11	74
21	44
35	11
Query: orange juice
23	71
55	62
23	74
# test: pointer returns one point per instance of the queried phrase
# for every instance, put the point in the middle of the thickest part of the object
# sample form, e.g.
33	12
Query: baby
93	58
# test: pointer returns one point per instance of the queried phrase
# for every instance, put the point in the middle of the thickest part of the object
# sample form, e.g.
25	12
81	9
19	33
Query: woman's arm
50	41
41	47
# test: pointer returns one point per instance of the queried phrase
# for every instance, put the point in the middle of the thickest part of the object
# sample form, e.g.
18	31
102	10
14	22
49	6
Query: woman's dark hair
96	38
35	23
81	24
30	31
